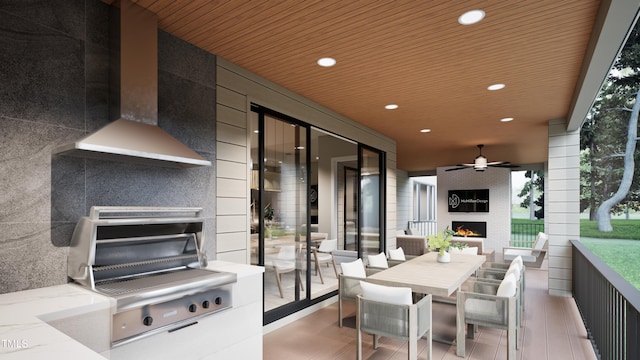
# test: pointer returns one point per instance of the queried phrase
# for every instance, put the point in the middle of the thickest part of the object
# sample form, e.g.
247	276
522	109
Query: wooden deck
552	330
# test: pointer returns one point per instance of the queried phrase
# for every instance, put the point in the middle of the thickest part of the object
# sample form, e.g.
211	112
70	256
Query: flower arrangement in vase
441	243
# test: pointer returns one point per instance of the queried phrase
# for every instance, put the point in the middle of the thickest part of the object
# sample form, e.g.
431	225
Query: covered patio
552	329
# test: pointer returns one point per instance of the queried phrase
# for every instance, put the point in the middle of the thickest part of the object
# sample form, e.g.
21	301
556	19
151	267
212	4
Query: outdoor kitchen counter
25	333
29	320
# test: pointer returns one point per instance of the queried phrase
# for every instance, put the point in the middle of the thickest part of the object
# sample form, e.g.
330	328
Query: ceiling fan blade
458	168
505	165
497	163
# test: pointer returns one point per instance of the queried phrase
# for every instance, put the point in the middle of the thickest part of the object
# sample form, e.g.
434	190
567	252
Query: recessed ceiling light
425	130
471	17
506	119
326	61
496	87
391	107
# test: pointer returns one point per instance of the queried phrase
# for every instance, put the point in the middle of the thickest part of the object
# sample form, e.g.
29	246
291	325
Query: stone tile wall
54	71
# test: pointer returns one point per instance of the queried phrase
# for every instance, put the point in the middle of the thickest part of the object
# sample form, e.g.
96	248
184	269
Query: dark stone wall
54	88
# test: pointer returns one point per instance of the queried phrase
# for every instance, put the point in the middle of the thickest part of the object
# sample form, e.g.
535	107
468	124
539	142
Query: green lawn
621	255
620	248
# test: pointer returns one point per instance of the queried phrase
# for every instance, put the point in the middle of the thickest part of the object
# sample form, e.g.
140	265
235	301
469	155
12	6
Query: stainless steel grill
151	261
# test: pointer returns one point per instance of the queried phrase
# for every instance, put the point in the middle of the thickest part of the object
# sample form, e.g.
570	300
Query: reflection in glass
370	194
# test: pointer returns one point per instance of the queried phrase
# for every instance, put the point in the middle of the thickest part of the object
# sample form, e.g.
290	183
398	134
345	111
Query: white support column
562	203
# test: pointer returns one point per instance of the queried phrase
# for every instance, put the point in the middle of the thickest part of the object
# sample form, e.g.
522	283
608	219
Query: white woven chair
530	256
322	255
492	305
496	275
349	283
389	311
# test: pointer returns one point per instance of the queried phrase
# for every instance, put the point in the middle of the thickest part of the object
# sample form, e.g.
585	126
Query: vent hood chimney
135	136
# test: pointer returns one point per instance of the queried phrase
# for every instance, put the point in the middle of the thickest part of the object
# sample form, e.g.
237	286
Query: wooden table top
424	274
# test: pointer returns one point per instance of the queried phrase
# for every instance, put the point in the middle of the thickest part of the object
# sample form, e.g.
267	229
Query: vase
445	258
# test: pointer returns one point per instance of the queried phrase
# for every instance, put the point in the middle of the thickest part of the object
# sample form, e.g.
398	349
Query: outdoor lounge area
552	329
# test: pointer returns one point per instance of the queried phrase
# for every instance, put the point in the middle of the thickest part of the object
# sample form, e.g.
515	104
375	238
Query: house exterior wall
237	88
562	204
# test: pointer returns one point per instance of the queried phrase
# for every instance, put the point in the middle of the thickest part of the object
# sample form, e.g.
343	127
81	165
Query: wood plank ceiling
414	54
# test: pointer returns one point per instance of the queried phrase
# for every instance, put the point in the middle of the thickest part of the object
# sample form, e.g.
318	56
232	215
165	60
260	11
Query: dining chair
497	275
349	283
377	261
489	304
389	311
285	262
323	255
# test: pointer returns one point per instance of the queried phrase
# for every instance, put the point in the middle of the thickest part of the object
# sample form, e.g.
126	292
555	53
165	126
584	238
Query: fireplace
469	228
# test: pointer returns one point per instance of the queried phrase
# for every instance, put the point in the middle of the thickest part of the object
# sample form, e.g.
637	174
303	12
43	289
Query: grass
621	255
622	229
620	248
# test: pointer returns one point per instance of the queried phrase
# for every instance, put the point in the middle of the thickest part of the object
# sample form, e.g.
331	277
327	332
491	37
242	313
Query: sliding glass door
280	206
309	187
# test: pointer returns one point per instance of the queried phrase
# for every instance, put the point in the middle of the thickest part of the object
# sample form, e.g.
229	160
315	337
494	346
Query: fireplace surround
477	229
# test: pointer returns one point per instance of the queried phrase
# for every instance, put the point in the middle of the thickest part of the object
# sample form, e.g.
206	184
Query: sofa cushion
472	250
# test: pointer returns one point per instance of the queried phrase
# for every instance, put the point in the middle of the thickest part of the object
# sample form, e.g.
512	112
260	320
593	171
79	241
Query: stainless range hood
135	135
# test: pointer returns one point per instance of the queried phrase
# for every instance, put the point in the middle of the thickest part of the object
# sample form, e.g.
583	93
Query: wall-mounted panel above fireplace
476	200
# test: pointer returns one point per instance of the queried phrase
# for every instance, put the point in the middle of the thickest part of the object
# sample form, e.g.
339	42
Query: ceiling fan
481	163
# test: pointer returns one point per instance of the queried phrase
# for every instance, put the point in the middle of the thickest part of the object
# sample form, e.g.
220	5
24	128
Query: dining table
425	275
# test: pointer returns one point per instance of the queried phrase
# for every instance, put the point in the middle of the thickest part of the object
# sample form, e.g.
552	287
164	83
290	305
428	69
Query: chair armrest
370	270
496	265
394	262
482	287
348	286
490	273
515	248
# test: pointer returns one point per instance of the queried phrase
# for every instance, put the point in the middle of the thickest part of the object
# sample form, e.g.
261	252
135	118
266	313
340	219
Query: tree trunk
604	210
592	202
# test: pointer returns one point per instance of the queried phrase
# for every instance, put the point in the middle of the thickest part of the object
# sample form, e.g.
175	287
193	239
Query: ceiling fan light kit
480	163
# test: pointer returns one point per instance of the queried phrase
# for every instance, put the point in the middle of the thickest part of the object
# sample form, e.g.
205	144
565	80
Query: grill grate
146	282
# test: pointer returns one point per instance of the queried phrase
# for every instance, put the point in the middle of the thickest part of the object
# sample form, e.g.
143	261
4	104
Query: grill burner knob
193	308
218	300
206	304
147	321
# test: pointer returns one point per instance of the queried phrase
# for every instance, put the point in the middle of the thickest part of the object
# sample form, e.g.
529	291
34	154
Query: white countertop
25	333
